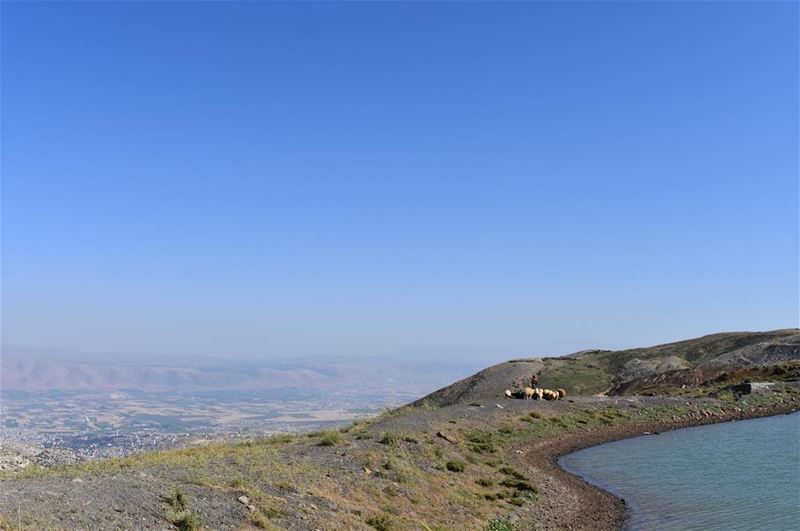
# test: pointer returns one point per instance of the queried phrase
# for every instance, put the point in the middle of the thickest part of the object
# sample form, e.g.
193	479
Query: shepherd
534	381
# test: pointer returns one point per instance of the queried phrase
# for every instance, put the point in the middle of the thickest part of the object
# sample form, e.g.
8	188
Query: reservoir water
741	475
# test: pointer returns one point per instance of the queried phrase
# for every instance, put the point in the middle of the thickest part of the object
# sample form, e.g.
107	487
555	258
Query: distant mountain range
31	370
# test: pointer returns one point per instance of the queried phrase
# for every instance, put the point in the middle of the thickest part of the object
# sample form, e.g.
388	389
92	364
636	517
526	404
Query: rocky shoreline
589	507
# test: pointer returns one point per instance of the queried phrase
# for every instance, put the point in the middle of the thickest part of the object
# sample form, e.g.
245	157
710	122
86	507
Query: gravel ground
137	498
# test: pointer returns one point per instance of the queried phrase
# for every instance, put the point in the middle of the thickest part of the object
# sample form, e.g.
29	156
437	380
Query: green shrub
530	496
260	519
519	484
177	513
455	466
287	486
499	524
513	472
481	442
382	522
484	482
330	438
388	439
185	521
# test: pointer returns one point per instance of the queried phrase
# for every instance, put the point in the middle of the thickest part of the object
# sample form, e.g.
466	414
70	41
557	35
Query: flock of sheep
530	393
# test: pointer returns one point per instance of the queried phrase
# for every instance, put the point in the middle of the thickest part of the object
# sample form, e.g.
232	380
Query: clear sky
427	179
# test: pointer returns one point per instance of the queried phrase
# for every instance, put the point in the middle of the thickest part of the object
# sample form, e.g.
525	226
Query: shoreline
590	507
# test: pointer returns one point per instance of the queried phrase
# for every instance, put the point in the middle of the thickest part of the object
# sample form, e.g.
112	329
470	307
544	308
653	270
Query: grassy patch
481	442
381	522
513	472
499	524
330	438
389	439
455	466
177	513
518	484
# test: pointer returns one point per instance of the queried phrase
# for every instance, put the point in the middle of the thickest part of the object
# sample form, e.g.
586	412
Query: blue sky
477	180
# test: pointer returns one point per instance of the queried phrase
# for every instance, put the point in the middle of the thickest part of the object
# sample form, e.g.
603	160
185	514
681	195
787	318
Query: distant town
72	426
86	417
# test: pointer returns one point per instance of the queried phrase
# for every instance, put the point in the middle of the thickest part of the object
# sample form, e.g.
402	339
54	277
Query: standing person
534	381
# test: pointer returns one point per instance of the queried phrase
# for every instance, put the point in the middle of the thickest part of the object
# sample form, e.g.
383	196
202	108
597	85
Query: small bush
382	522
455	466
330	438
259	519
177	513
287	486
519	484
185	521
499	524
485	482
392	510
389	439
530	496
513	472
481	442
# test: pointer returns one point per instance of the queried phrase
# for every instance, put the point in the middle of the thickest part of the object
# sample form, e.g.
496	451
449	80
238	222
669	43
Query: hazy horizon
439	181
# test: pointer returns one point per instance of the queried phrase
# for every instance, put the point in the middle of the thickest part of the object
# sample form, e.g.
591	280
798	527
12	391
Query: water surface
741	475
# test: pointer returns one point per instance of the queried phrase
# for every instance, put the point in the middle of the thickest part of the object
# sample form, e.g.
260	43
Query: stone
447	437
244	500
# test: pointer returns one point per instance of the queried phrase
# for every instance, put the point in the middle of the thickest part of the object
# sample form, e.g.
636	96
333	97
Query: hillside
464	457
689	362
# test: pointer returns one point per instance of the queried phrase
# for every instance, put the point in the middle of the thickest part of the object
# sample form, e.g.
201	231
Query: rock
367	471
447	437
501	407
251	507
244	500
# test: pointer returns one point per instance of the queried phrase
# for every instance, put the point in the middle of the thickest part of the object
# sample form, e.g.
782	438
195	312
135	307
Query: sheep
549	394
528	393
538	393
